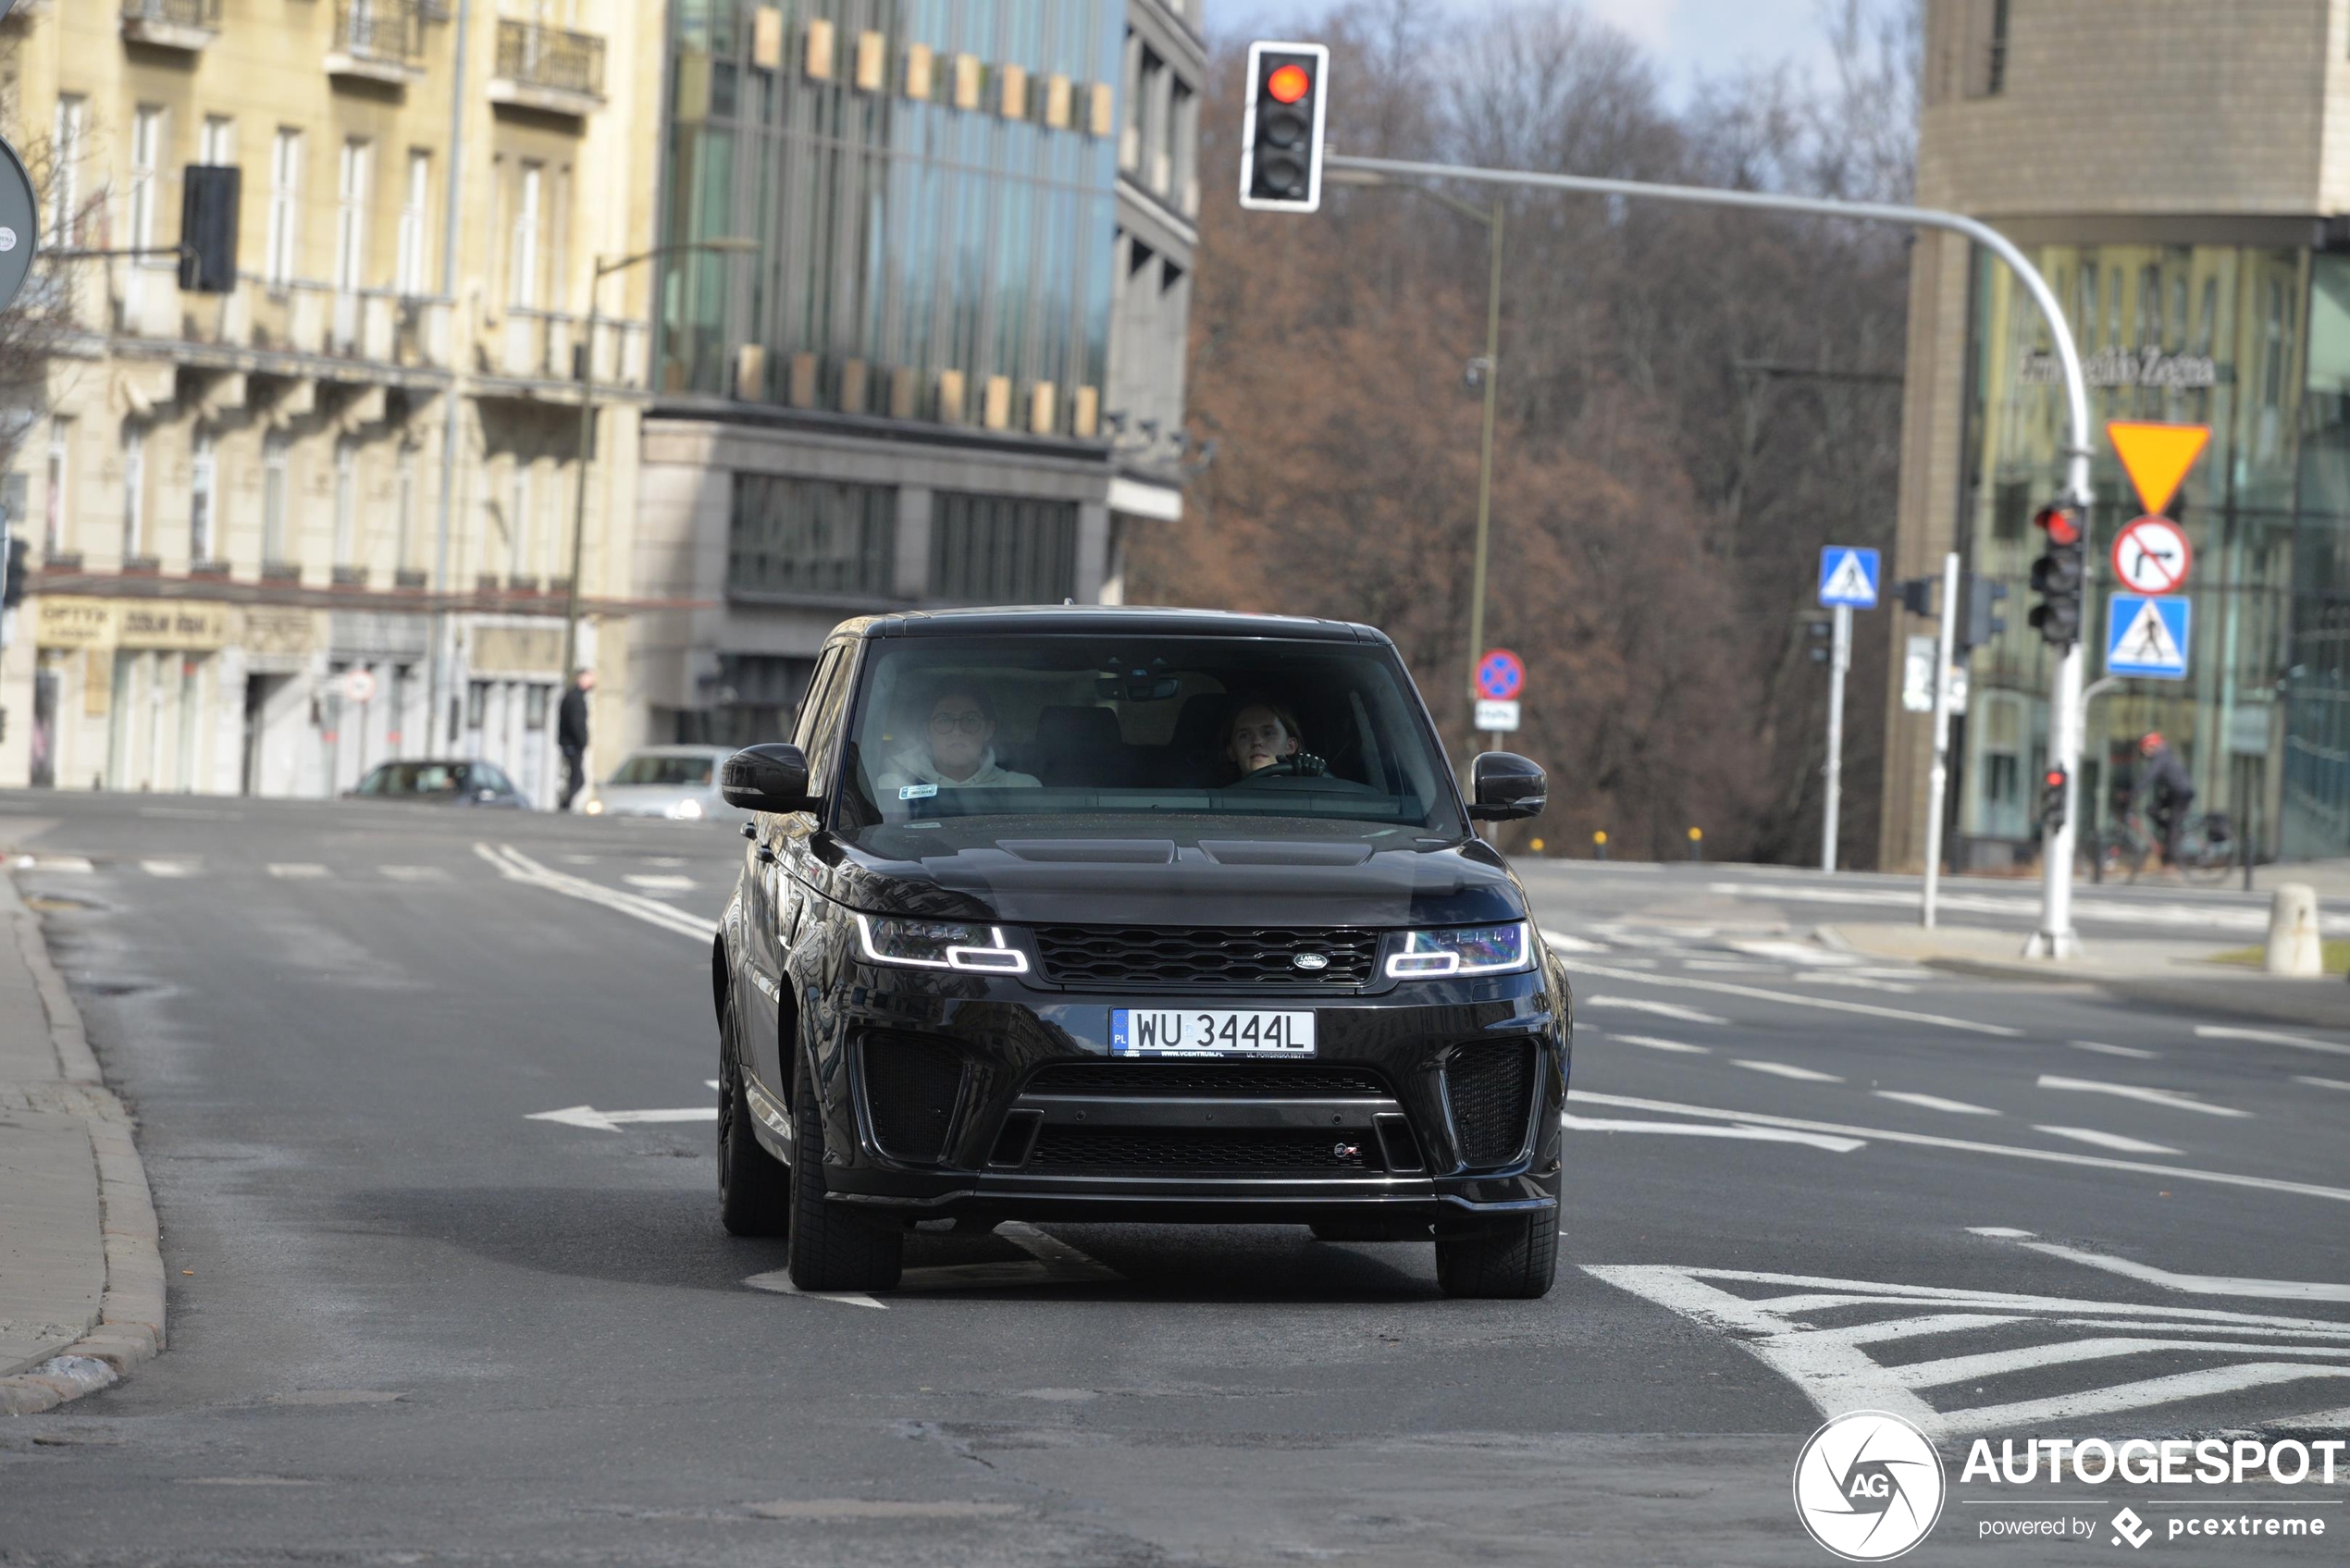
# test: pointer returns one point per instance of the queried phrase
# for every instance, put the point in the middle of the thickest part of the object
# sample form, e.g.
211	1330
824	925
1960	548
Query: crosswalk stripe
296	870
413	873
1788	1069
1662	1009
2269	1037
1655	1043
2170	1098
1935	1102
2107	1140
1824	1004
2323	1083
168	868
2104	1050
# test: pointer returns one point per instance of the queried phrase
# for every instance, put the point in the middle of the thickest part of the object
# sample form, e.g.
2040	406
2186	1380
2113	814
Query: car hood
1221	878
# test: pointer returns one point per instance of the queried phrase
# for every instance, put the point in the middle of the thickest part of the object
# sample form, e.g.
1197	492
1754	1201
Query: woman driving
1259	735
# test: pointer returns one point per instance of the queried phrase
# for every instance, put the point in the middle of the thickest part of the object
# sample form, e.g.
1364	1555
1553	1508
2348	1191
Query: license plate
1166	1032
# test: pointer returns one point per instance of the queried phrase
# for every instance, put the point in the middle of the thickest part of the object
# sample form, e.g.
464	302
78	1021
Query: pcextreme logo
1868	1485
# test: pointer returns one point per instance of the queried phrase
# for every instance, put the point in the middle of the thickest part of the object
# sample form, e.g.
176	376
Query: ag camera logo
1868	1485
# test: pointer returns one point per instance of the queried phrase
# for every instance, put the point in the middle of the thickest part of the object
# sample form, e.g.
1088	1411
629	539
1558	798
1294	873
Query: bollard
2292	931
1535	845
1599	845
1697	836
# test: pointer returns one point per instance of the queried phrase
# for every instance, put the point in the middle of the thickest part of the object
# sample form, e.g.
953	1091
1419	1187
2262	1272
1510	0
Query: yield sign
2157	456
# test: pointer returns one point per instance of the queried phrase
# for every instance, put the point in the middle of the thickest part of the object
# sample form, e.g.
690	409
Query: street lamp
730	246
1487	375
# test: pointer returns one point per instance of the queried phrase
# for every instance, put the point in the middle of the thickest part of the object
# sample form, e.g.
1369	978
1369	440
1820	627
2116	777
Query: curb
131	1311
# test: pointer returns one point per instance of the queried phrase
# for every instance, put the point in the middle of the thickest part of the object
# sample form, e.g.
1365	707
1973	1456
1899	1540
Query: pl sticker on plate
1154	1031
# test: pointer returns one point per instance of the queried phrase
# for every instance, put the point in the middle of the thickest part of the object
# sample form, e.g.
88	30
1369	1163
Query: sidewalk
2164	972
81	1295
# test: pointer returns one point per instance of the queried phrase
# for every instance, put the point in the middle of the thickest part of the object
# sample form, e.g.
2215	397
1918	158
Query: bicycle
2208	849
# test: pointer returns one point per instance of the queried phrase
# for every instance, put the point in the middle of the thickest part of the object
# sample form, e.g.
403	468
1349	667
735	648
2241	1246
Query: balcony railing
171	24
383	40
551	61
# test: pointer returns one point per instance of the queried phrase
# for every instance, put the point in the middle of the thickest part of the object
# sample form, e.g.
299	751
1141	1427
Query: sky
1688	38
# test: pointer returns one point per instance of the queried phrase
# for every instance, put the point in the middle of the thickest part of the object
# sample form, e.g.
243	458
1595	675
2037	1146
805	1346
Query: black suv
1090	913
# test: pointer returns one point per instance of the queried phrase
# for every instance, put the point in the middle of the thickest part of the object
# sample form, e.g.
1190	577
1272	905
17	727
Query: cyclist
2166	791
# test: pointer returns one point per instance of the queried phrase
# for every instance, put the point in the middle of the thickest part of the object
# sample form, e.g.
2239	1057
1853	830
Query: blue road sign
1848	577
1501	676
2149	636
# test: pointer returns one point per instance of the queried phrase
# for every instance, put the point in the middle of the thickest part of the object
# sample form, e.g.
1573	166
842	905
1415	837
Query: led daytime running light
1427	955
1000	957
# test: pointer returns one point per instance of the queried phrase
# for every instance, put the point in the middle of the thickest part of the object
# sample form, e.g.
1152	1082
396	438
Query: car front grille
1175	1150
1267	1080
911	1085
1490	1086
1165	958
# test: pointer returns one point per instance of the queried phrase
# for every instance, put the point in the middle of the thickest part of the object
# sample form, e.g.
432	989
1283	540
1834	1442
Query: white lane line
2269	1037
2169	1098
2196	915
2104	1050
1935	1102
1972	1146
1824	1004
2031	1358
2188	1284
75	863
612	1121
778	1282
2106	1140
1708	1130
658	884
413	873
1655	1043
1724	966
2323	1083
1858	982
1662	1009
1561	942
1787	1069
1794	953
513	865
168	868
296	870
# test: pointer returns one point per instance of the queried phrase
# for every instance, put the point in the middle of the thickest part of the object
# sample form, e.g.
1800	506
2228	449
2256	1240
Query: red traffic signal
1288	84
1282	132
2059	523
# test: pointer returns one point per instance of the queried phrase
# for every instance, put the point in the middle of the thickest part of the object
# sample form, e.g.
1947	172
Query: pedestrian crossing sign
1848	577
2149	636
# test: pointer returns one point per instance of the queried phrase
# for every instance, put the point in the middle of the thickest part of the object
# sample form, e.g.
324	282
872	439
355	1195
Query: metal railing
174	13
389	30
551	57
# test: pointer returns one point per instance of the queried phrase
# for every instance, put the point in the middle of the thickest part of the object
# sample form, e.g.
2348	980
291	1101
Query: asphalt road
415	1318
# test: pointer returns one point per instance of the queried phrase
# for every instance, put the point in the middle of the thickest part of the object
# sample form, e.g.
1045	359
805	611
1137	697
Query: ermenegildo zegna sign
2123	367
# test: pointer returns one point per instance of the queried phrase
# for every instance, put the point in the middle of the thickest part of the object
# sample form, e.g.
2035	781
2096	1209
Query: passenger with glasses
956	750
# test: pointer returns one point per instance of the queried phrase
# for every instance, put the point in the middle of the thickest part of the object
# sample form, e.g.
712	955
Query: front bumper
1023	1140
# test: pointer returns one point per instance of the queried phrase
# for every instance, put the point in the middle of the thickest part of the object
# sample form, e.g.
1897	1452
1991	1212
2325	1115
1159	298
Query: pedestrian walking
2166	791
571	734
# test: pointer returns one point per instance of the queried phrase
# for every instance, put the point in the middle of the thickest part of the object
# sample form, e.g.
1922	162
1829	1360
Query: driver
1259	735
957	748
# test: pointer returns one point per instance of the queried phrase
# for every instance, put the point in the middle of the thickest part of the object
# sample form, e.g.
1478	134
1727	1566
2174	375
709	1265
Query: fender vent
911	1085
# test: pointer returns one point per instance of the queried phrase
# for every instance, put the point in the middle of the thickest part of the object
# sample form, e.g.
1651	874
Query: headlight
1465	950
688	810
938	945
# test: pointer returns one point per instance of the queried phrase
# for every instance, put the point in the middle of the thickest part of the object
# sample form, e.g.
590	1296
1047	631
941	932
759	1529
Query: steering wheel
1297	765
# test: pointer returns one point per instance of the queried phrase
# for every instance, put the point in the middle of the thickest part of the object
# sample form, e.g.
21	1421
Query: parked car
1137	915
677	781
453	782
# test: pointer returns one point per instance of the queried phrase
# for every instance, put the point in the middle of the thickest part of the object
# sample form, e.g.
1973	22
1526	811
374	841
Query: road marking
1784	1070
1794	953
1935	1102
2269	1037
75	863
168	868
1825	1004
1708	1130
1969	1145
2323	1083
2103	1050
1655	1043
2189	1284
413	873
1833	1366
2171	1098
2198	917
661	883
1067	1265
778	1281
1662	1009
1858	982
296	870
2106	1140
612	1121
1724	966
1559	942
516	866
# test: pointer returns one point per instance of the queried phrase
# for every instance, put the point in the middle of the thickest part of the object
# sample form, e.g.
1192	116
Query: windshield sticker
916	791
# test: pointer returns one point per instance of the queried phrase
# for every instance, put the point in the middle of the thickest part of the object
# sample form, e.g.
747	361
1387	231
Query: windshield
1058	728
416	778
647	768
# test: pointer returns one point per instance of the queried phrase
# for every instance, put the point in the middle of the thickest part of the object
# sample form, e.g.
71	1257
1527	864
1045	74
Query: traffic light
208	196
1917	596
2052	800
1281	133
2058	577
12	586
1978	597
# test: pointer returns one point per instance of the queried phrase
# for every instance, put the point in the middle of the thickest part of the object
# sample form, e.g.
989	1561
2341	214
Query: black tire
754	1187
1513	1262
832	1248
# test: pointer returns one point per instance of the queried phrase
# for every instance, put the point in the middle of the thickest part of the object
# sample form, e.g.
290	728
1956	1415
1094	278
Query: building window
134	491
756	697
216	145
285	208
404	520
147	148
59	474
346	501
522	255
350	215
65	183
518	522
793	536
204	497
1986	64
415	225
1002	550
274	499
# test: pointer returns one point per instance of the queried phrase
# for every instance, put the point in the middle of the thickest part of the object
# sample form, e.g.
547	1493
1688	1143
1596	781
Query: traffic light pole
2055	938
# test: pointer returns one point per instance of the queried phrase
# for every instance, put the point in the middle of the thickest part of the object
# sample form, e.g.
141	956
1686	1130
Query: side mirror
766	778
1504	785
